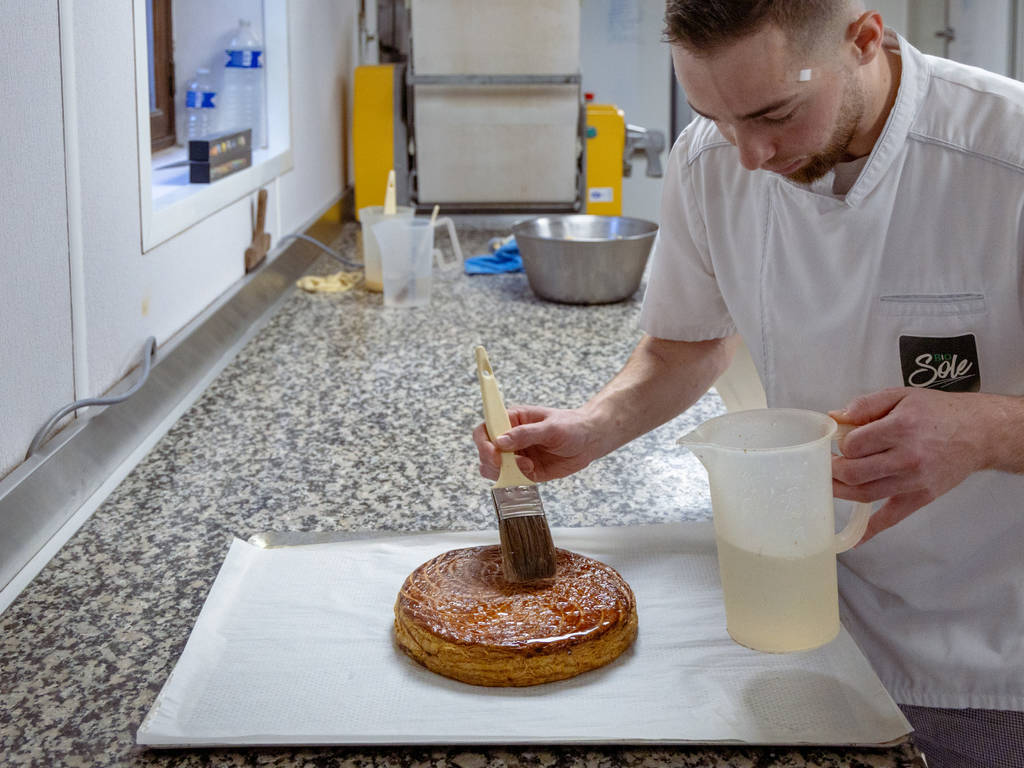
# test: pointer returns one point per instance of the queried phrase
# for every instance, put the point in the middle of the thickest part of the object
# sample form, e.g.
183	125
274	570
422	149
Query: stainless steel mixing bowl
584	259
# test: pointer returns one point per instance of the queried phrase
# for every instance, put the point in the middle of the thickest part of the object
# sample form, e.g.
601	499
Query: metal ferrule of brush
517	501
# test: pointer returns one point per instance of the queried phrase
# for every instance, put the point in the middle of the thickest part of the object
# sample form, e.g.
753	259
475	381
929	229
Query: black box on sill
217	148
205	173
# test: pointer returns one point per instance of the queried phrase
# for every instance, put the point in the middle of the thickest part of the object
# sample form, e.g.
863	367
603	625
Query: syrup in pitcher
779	604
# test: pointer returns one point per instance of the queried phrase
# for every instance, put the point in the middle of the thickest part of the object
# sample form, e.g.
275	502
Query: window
169	204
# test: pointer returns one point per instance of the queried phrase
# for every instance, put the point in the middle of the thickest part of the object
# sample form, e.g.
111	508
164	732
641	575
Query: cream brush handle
497	421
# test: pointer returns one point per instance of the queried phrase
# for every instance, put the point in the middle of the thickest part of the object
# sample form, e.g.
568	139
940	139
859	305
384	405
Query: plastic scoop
390	209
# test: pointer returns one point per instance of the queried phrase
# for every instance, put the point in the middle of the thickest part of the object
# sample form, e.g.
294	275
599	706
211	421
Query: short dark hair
701	26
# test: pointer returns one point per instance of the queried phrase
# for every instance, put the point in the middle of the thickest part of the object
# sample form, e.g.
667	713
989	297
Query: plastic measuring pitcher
369	216
407	258
770	474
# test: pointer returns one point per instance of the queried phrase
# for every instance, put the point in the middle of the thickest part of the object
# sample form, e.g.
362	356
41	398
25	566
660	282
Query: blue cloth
505	259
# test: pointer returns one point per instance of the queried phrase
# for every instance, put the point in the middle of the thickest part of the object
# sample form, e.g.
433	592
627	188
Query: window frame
162	132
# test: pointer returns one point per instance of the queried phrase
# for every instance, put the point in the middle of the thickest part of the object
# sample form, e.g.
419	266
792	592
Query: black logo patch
949	364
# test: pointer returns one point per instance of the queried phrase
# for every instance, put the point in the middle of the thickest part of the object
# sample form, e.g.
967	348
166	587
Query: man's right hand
661	379
550	443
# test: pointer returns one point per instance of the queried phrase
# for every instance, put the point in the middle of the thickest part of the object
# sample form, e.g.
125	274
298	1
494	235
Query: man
854	210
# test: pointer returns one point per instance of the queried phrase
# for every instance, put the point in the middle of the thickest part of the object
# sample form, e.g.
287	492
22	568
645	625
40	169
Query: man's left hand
909	446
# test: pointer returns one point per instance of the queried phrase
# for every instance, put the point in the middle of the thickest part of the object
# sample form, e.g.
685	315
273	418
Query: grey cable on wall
330	251
149	351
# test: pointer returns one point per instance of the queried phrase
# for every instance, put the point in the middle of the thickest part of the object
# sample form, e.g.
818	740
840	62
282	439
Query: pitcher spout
697	443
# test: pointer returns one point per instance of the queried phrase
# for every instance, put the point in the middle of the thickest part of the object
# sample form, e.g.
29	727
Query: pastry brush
527	550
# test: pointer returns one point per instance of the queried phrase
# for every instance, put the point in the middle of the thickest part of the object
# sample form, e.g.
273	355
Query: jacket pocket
932	304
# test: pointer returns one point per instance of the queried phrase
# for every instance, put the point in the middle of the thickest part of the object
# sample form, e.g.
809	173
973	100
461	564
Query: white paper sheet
295	646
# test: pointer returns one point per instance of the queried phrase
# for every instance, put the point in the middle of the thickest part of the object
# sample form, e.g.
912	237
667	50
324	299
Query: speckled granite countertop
338	415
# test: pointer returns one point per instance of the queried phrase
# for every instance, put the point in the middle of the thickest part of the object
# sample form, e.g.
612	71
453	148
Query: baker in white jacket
853	210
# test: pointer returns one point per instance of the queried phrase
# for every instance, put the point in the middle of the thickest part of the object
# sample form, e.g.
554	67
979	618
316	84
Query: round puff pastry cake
457	616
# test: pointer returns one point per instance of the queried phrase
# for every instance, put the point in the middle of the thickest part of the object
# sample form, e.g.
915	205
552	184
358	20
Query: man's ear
866	35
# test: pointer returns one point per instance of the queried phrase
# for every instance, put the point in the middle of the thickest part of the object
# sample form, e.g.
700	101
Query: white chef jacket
914	277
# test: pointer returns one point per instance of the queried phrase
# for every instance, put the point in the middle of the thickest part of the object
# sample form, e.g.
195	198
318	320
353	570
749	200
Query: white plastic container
407	260
770	474
200	106
408	255
243	98
369	216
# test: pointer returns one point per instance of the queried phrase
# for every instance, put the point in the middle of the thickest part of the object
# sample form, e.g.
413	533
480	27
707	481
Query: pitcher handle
456	260
854	530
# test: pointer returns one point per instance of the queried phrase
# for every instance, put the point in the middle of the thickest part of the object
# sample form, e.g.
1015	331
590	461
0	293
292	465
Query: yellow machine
384	138
606	143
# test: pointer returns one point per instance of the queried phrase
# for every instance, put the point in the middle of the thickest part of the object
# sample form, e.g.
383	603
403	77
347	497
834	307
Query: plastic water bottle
200	105
243	96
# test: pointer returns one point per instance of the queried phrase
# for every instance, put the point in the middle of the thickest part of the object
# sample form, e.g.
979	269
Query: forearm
661	379
1003	432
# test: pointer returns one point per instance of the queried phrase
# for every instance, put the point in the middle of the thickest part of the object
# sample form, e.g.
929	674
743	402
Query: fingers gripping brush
527	551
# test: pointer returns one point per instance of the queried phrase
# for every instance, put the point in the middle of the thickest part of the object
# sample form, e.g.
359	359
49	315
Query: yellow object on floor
339	281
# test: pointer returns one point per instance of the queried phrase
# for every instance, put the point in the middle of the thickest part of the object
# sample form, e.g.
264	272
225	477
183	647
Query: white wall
981	34
324	53
625	63
127	294
35	301
894	13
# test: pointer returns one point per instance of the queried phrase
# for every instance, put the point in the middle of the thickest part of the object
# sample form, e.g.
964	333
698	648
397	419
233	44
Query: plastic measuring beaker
770	474
369	216
407	257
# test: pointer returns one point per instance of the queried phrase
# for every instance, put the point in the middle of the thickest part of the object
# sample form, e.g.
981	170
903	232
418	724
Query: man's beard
850	114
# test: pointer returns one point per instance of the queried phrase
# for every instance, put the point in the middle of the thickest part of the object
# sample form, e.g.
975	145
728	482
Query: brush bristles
527	550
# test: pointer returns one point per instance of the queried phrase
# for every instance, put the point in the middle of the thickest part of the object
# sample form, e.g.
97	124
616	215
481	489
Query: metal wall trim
567	79
41	495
